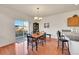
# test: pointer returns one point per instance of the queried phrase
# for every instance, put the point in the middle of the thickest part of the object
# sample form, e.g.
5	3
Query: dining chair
30	41
43	39
61	38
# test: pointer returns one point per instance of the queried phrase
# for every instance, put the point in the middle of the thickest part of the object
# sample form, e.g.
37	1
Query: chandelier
37	17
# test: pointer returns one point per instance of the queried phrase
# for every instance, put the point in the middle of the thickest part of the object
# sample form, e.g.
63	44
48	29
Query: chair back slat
58	34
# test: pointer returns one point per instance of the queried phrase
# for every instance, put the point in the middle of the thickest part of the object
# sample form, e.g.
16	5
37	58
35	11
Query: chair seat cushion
64	40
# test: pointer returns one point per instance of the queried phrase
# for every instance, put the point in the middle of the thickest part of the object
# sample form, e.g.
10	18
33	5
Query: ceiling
44	9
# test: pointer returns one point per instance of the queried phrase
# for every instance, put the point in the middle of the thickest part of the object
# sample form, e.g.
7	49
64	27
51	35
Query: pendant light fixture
37	17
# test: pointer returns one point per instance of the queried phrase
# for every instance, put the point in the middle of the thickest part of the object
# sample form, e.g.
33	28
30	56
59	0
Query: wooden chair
30	40
49	35
43	39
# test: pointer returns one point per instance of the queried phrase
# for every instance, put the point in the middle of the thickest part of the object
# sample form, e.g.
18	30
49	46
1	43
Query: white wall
7	35
7	28
57	22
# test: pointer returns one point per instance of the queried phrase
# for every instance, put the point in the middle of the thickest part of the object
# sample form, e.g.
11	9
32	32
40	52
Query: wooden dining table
36	36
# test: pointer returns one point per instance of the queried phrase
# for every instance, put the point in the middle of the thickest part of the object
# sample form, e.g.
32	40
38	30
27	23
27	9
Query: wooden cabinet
73	21
35	27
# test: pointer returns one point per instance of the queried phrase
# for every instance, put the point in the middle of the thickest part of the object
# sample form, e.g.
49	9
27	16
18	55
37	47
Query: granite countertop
72	35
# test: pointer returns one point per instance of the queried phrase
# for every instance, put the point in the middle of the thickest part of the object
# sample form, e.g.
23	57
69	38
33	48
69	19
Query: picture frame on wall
73	21
46	25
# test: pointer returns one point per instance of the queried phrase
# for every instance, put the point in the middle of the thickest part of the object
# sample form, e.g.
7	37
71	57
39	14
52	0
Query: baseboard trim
7	44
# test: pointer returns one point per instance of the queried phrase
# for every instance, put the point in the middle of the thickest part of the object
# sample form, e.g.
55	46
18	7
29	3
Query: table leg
36	45
50	36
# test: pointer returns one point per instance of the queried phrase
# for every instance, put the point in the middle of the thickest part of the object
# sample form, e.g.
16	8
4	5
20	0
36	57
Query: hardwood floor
6	50
49	49
14	49
21	49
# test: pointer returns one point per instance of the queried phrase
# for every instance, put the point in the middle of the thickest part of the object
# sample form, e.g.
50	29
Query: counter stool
62	39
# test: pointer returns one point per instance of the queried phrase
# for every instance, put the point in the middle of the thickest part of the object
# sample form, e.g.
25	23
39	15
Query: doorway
21	29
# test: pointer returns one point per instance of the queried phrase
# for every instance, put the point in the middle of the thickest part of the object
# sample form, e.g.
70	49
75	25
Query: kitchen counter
72	35
73	42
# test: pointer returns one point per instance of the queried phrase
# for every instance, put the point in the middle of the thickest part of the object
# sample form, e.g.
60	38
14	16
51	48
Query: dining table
36	36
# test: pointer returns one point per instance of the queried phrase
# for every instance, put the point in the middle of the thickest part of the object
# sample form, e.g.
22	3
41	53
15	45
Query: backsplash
75	30
66	30
71	30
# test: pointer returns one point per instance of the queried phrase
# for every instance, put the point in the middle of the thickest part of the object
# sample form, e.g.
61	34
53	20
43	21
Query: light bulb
40	18
35	18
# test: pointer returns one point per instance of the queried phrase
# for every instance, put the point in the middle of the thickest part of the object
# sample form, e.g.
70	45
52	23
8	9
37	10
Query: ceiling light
40	18
37	17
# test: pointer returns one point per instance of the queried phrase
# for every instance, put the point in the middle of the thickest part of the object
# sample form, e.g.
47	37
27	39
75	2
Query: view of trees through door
21	28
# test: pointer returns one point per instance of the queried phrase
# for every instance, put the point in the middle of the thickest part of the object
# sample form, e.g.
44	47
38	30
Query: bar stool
61	38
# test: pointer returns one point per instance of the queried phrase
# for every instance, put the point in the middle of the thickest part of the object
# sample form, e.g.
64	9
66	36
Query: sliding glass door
21	28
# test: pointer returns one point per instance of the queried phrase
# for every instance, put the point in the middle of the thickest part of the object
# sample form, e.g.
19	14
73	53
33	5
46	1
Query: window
21	27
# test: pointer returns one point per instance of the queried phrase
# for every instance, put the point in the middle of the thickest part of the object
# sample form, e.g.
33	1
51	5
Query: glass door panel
21	28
